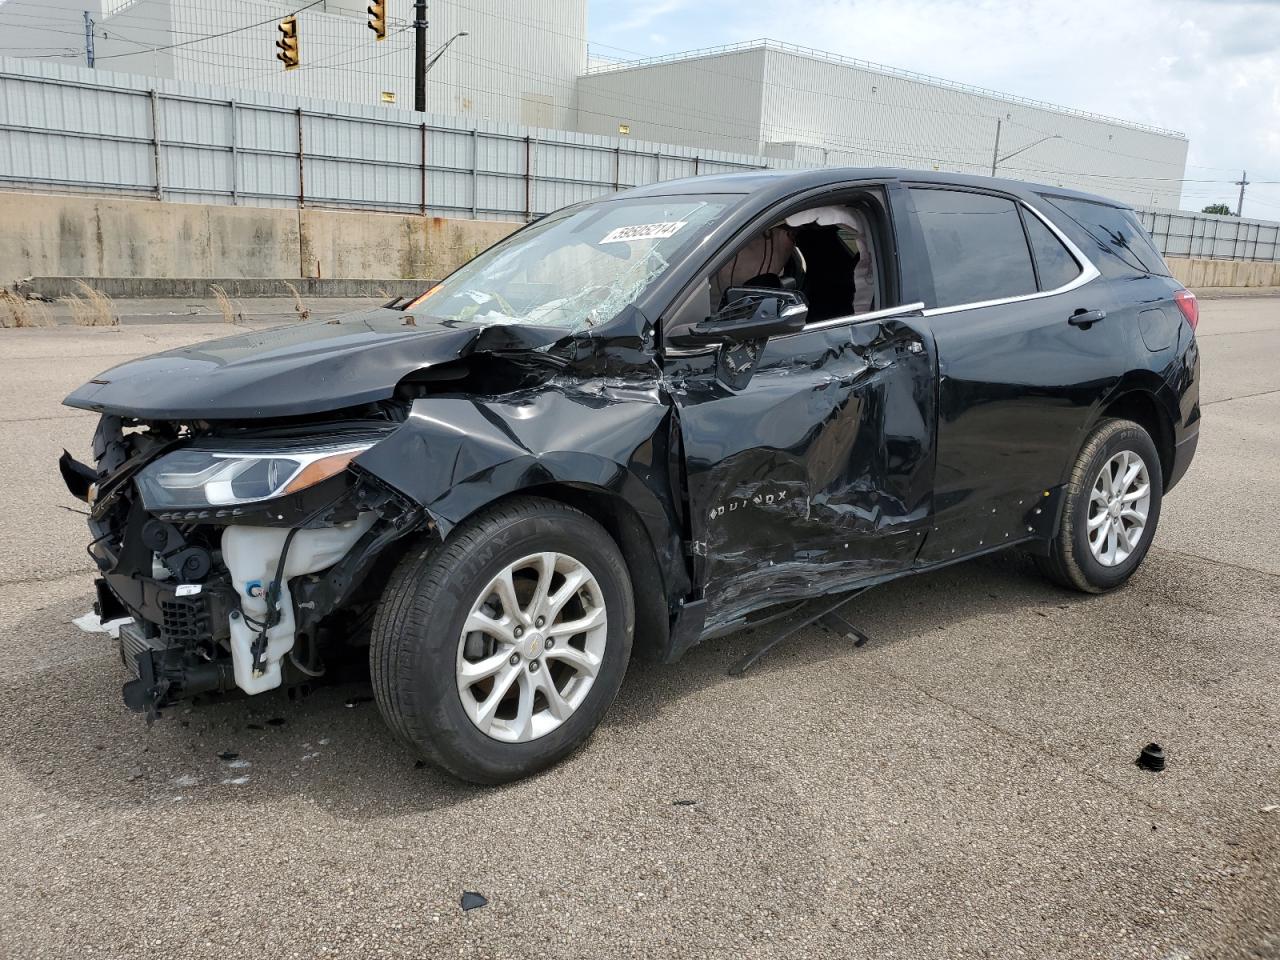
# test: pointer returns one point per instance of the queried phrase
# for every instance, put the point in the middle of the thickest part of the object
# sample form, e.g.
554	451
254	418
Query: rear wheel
1110	512
497	654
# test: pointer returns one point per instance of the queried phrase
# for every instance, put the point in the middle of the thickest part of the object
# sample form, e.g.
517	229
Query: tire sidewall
433	684
1129	436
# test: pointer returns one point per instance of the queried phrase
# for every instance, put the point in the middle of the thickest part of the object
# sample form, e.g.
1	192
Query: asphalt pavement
962	786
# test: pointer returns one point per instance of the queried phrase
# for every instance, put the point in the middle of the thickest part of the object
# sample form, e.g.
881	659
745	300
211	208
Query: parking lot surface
963	785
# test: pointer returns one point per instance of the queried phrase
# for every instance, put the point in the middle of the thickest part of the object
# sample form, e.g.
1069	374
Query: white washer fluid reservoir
252	555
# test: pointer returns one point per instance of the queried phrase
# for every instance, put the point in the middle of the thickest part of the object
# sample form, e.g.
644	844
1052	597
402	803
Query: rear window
976	246
1056	266
1117	233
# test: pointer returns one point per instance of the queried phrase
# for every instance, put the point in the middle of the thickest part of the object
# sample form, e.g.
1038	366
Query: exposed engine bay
213	542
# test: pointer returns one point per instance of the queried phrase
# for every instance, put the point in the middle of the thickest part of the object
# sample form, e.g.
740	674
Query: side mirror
750	313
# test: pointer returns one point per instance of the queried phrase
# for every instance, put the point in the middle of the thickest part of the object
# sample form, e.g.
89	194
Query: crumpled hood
294	370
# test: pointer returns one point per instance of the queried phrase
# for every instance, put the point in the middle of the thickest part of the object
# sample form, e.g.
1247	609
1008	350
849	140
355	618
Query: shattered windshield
577	269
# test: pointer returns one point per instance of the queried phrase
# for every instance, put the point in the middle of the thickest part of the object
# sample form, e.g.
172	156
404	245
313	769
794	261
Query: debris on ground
1152	758
276	722
92	623
228	755
472	901
356	701
683	803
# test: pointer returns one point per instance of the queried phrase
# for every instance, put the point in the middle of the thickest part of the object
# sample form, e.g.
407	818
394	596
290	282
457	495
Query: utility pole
1241	183
88	39
995	151
420	56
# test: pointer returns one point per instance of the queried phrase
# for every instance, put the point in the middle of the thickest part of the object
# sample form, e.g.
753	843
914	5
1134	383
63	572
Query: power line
850	145
879	103
224	33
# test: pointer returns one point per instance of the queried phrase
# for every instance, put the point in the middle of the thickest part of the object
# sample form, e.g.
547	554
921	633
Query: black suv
634	424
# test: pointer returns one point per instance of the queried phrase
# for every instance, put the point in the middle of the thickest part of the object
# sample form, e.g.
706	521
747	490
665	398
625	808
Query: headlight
196	477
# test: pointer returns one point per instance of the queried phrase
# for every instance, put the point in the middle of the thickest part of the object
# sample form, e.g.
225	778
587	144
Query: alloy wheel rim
1119	504
531	647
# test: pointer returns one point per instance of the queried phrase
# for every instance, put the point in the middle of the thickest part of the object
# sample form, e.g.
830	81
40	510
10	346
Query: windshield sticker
643	231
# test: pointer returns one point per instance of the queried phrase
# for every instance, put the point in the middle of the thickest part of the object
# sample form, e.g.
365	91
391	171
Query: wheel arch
1141	405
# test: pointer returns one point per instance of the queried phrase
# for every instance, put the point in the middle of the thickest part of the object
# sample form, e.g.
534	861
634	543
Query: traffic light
378	18
288	43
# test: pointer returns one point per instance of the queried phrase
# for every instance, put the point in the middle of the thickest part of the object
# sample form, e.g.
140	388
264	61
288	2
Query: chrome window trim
858	318
1088	273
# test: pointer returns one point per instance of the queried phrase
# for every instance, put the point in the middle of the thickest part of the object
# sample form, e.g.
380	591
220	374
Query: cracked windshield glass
574	270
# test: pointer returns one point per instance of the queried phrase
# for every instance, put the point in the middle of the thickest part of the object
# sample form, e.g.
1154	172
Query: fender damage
450	417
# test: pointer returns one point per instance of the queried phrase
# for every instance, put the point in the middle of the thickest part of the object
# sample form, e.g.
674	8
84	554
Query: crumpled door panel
817	472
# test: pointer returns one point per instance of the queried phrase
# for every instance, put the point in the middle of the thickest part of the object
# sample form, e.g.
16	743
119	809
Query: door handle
1086	318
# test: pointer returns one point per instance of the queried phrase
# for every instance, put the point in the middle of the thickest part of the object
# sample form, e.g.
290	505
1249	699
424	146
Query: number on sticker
643	231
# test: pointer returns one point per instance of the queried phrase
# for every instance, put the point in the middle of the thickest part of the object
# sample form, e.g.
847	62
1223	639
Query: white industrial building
819	108
528	63
519	61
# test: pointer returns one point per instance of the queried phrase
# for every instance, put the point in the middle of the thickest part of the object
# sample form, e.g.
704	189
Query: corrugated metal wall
72	129
824	109
69	128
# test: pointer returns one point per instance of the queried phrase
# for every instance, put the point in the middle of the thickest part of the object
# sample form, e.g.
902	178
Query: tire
1072	561
417	650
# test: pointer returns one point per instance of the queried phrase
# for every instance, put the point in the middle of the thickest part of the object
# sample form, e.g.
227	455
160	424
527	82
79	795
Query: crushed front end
242	556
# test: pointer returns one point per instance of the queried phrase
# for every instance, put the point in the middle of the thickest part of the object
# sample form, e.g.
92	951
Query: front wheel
1110	511
497	653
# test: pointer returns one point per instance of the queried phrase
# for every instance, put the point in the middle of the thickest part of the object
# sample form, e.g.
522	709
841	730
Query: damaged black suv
634	424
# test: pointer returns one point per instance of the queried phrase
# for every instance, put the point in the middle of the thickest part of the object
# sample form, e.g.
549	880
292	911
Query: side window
1055	266
1117	233
829	254
976	246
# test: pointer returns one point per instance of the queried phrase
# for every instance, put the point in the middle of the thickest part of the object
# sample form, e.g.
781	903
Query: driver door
809	457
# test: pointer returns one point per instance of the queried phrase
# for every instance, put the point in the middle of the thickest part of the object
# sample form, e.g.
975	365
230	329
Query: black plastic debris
473	901
228	755
808	613
1152	758
840	625
276	722
683	803
254	726
356	701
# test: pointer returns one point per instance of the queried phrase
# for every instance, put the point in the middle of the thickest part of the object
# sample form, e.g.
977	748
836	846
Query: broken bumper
162	674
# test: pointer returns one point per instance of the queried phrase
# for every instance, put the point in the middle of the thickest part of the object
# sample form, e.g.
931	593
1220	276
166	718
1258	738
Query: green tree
1219	208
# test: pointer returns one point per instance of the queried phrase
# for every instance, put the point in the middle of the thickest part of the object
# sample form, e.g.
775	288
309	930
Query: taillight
1190	307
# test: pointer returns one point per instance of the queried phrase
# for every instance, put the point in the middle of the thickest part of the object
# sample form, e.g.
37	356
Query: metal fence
60	129
1207	235
73	129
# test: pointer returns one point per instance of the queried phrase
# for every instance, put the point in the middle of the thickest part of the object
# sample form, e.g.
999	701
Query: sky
1209	68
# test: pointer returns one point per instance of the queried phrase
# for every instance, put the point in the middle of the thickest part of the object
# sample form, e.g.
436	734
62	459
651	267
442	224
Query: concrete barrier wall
1224	273
148	248
47	235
